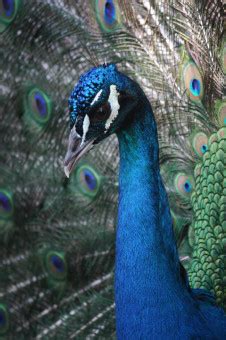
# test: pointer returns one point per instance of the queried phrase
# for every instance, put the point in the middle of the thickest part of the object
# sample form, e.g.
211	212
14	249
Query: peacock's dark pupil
109	12
195	85
2	319
58	263
8	6
203	148
101	113
4	202
90	180
41	104
187	186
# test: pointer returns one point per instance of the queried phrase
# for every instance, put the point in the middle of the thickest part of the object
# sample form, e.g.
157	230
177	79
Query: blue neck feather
152	299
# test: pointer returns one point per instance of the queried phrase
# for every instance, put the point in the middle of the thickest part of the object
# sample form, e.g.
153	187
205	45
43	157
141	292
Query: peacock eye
200	143
56	265
124	97
4	319
8	12
184	184
108	15
6	204
101	114
192	80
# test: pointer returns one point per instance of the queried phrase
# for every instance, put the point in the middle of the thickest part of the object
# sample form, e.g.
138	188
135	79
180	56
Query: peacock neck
138	180
147	265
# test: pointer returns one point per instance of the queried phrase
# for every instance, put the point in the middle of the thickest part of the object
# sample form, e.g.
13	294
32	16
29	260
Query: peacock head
99	106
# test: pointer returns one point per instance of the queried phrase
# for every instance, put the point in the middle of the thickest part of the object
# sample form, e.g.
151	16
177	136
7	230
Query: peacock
57	234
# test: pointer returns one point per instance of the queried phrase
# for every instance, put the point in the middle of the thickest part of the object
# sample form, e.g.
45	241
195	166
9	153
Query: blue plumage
88	86
153	297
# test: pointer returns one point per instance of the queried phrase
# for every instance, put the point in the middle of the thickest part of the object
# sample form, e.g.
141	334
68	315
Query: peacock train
113	180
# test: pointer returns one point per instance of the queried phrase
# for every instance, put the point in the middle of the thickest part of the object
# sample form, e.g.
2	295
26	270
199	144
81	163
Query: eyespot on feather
56	265
221	114
108	15
192	81
8	12
38	106
4	319
88	181
6	204
200	143
184	184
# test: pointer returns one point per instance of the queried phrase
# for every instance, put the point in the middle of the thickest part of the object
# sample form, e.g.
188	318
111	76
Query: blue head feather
88	86
91	96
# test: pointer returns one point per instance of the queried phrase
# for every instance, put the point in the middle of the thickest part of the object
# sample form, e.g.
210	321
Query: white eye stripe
114	104
113	101
96	97
85	126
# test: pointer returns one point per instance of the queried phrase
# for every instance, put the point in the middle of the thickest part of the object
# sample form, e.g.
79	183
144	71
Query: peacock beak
76	149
